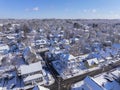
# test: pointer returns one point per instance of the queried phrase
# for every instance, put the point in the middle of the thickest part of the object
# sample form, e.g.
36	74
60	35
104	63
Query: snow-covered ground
49	80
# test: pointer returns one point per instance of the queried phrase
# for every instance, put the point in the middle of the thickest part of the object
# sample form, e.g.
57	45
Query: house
91	84
21	46
68	66
30	55
32	74
4	49
92	62
42	43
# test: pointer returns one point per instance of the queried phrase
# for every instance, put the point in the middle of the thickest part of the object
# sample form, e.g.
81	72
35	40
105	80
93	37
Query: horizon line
66	18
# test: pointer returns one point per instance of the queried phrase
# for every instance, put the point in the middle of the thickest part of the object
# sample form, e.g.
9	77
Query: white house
41	43
32	74
92	61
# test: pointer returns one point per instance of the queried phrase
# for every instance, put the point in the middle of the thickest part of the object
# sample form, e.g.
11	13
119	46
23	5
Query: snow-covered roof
58	51
66	41
99	83
15	25
40	88
60	35
3	88
10	37
94	86
67	56
116	46
27	51
41	30
83	56
27	69
104	83
101	60
1	24
40	42
32	77
116	73
4	48
92	61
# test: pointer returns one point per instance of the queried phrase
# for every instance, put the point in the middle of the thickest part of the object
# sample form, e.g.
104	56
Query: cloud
36	9
89	10
33	9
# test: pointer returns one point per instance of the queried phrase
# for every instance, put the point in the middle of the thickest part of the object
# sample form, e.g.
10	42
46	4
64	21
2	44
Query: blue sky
87	9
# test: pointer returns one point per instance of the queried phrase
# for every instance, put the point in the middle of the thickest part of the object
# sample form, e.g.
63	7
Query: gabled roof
116	73
27	51
92	61
41	42
4	47
67	56
92	84
27	69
